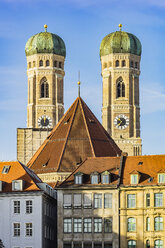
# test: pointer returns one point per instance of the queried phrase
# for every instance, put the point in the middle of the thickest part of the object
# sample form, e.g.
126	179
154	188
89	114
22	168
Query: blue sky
82	24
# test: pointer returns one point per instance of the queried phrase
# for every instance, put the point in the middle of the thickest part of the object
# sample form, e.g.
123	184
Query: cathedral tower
120	54
45	53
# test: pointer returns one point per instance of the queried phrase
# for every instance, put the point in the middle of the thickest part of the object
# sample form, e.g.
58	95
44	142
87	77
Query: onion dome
45	42
120	42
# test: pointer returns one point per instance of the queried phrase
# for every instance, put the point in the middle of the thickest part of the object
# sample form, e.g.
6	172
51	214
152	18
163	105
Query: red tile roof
18	171
77	136
147	166
90	165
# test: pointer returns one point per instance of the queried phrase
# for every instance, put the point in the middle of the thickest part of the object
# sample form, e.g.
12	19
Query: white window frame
87	225
15	183
97	200
131	201
108	200
29	207
161	178
134	179
98	225
77	225
16	207
16	229
29	229
67	225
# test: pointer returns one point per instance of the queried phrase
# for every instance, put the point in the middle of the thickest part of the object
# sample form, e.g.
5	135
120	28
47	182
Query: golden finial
120	26
79	84
45	26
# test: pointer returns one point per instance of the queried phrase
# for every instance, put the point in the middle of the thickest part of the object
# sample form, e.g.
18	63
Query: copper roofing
77	136
99	165
18	171
147	166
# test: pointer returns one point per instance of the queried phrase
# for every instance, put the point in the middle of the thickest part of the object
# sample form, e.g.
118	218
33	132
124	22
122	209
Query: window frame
29	229
158	223
77	225
29	207
131	201
131	224
108	227
158	199
67	226
87	225
97	225
16	207
108	200
16	229
97	200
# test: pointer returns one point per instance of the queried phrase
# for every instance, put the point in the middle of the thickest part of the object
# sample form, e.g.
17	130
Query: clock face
121	122
44	121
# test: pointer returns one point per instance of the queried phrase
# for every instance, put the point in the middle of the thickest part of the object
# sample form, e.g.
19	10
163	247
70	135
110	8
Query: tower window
110	64
123	63
120	88
131	64
41	63
44	88
55	63
60	64
29	64
47	63
117	63
136	65
105	65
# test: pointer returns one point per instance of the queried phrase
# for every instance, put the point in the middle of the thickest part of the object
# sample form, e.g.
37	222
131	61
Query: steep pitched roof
99	165
18	171
148	166
77	136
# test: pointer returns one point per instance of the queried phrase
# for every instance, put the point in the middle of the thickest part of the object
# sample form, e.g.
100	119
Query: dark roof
77	136
100	165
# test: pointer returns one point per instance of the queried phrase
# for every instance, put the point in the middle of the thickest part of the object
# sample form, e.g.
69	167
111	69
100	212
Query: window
97	225
87	244
131	64
123	63
161	178
29	64
60	64
77	225
95	178
55	63
134	179
1	185
158	223
97	200
107	245
28	207
47	63
77	200
158	199
87	200
158	243
131	244
41	63
67	200
107	200
120	88
28	229
16	227
97	245
136	65
17	185
5	169
87	225
44	88
68	225
34	63
67	245
77	244
78	178
131	224
105	176
108	225
117	63
131	200
147	244
16	207
147	224
147	200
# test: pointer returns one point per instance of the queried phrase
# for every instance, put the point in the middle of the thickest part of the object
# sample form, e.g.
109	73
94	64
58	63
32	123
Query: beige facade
143	222
81	205
120	108
45	102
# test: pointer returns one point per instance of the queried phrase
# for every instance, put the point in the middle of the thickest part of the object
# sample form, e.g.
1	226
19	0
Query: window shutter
77	200
67	200
87	200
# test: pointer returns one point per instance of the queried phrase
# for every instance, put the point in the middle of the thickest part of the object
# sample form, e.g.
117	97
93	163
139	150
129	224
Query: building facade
45	53
27	208
120	54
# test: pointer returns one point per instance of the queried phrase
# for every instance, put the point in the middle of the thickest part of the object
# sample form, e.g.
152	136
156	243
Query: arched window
29	64
44	92
158	223
120	88
123	63
55	63
147	244
131	224
158	243
34	63
41	63
47	63
131	244
117	63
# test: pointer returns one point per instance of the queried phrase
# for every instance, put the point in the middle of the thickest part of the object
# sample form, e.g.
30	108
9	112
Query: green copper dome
45	42
120	42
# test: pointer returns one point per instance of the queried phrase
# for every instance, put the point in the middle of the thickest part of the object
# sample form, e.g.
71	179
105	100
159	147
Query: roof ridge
67	135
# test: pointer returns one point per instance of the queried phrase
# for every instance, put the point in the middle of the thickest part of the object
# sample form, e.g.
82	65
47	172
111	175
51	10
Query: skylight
6	169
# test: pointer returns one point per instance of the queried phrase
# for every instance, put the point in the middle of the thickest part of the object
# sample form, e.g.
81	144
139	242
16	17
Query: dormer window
95	178
105	177
161	178
78	178
134	177
6	169
17	185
